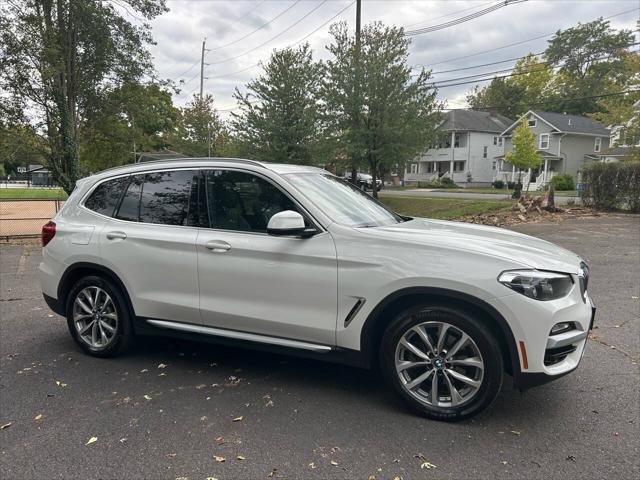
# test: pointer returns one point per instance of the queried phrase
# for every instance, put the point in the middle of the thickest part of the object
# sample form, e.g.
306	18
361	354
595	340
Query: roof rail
185	159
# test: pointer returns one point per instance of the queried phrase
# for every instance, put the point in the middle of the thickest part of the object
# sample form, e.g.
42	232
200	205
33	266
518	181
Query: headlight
536	284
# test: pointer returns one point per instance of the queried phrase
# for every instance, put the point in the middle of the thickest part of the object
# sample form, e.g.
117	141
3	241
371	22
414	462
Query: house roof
563	123
474	121
616	152
37	168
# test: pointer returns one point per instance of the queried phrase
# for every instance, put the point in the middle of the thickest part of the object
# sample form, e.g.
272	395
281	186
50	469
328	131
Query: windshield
342	202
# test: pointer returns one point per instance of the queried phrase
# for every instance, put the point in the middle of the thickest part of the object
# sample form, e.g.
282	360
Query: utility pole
354	168
358	15
202	68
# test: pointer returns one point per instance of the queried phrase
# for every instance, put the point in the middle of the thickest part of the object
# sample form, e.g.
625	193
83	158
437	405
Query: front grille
556	355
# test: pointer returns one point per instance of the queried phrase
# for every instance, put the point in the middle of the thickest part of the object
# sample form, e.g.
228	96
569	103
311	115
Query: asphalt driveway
169	409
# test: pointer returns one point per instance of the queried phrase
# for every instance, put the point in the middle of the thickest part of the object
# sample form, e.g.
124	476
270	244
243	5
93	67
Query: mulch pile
531	209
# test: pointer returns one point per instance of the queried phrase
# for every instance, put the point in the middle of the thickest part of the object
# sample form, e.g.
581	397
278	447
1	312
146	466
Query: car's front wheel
442	362
98	317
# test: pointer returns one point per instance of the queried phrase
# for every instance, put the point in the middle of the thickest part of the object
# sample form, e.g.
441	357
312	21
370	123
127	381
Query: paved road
469	195
296	413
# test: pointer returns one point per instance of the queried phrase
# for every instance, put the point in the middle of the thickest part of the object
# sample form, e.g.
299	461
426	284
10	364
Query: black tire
465	322
124	336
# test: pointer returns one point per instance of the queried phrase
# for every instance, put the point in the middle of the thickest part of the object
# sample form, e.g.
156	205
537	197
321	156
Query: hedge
611	186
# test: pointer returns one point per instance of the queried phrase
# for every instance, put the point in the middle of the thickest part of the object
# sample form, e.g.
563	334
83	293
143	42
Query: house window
533	121
597	145
497	141
458	166
485	151
544	141
414	168
493	165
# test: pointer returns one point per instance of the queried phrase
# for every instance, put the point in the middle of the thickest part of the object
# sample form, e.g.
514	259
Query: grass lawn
33	193
504	191
442	208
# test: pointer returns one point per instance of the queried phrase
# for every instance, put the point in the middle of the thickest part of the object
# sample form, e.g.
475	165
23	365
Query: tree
21	146
58	56
131	119
280	119
200	132
379	114
524	154
586	56
531	85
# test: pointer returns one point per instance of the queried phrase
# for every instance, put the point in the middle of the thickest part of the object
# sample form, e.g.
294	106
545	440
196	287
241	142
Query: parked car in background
294	258
364	181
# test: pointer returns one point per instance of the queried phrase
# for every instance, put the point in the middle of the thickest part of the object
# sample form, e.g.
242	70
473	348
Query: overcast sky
179	34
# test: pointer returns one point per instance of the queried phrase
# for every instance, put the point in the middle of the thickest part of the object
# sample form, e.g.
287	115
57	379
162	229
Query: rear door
151	244
257	283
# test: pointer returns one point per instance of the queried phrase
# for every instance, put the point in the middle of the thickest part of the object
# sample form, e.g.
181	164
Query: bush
563	182
609	186
499	184
511	185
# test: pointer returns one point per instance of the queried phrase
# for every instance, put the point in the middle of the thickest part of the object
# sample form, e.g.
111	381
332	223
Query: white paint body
302	289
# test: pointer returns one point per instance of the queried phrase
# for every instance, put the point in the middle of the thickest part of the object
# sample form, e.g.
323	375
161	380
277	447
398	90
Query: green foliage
443	182
499	184
563	182
613	185
199	131
21	146
380	116
588	58
57	57
524	154
280	119
131	118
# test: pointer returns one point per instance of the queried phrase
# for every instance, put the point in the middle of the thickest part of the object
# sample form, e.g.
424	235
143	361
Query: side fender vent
354	311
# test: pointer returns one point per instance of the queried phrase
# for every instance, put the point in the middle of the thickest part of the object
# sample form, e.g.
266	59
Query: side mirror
286	223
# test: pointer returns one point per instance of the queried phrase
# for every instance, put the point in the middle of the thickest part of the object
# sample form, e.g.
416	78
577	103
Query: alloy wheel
439	364
95	317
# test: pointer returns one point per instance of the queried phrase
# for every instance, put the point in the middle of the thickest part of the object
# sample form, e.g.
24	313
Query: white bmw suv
293	258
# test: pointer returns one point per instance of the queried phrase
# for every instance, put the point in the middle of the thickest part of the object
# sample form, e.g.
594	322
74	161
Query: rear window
106	196
165	197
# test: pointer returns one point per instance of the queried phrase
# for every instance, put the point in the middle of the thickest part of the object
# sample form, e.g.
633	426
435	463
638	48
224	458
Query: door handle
219	246
116	235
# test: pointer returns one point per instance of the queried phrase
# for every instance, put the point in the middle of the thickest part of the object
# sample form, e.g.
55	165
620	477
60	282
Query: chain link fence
25	217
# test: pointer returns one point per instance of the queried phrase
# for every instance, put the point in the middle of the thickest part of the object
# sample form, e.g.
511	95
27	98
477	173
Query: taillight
48	232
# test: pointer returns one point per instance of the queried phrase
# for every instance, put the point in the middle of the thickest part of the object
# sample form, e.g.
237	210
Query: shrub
609	186
563	182
511	185
499	184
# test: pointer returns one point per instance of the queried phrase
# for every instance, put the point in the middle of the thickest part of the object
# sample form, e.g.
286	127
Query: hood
526	250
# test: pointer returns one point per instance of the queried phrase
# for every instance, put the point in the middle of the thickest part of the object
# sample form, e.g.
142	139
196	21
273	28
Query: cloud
179	34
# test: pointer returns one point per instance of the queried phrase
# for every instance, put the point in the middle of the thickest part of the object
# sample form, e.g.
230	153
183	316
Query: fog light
561	328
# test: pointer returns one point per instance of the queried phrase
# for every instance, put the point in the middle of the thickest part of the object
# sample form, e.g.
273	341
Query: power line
259	28
466	18
274	37
450	60
288	46
448	14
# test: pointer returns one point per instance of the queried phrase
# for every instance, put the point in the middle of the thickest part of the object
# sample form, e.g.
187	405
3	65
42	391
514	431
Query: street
175	409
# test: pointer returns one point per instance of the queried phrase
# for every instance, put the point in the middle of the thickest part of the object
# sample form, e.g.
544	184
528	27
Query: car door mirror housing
286	223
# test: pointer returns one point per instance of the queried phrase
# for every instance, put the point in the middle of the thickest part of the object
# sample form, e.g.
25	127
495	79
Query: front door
254	282
151	244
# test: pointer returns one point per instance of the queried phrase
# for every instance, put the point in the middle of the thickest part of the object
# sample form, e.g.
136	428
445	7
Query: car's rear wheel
442	362
98	317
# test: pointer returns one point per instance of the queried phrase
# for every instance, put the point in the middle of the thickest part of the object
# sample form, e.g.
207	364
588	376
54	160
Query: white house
467	152
620	145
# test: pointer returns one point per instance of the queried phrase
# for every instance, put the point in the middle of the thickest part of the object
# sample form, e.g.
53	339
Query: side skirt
233	338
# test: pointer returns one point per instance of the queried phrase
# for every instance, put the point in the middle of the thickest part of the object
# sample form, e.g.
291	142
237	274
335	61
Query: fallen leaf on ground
427	465
372	477
273	473
171	455
269	403
162	365
312	466
60	384
38	417
200	386
91	440
6	425
221	441
334	463
504	462
515	432
144	370
238	419
204	418
162	374
212	478
147	397
240	457
219	459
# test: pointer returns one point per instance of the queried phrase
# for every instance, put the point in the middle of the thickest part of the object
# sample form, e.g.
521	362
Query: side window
130	204
106	196
242	201
165	197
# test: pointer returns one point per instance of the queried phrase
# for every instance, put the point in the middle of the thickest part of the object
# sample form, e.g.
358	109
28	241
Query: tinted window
106	196
165	197
242	201
130	205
